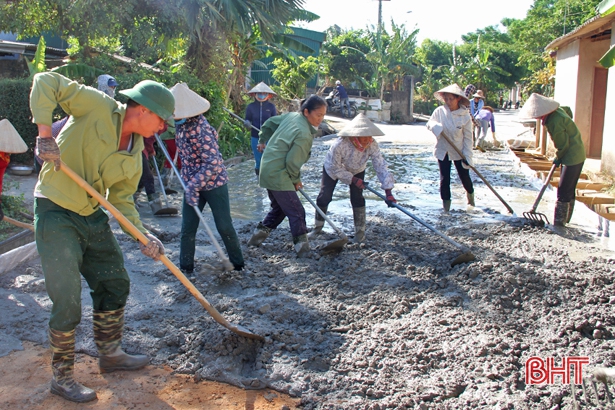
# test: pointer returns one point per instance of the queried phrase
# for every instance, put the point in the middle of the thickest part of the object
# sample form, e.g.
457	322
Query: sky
443	20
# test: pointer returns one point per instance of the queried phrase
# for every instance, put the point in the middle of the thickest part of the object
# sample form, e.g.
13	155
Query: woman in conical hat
453	119
204	175
257	112
10	143
569	150
346	161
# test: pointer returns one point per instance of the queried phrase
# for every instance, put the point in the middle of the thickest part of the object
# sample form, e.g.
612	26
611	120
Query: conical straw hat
261	88
10	140
360	126
188	103
537	106
479	94
452	89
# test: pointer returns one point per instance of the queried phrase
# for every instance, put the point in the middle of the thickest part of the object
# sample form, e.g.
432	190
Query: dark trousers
327	186
71	246
445	178
218	201
286	204
147	178
568	179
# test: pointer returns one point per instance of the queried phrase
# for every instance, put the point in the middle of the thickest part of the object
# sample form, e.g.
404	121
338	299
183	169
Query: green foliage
344	56
15	106
37	65
292	78
11	206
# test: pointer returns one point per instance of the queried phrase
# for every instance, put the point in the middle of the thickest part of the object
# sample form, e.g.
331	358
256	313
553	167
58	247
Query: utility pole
380	16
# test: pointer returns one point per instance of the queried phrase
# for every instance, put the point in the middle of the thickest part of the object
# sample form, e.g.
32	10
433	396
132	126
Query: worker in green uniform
102	143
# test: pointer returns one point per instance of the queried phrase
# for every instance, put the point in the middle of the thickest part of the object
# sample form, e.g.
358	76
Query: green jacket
566	137
289	140
89	145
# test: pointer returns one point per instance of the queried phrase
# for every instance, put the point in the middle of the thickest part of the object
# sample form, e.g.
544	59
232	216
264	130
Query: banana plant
37	65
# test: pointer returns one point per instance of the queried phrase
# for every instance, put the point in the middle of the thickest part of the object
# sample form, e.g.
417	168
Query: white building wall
567	75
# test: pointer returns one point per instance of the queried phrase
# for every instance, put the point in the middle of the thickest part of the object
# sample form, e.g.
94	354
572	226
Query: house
582	83
13	54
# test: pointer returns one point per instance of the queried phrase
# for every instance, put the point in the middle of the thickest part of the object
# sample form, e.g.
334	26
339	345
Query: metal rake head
592	394
536	218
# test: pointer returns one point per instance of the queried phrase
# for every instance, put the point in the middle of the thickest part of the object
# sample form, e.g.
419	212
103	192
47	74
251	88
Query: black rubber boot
561	213
570	210
62	366
108	329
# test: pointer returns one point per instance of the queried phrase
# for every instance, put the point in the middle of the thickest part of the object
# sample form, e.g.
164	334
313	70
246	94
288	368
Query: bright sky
436	19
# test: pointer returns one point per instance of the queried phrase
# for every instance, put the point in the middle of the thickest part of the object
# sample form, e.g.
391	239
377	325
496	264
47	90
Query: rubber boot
108	329
260	234
561	213
257	172
155	203
470	197
570	210
62	366
359	224
446	205
302	246
319	223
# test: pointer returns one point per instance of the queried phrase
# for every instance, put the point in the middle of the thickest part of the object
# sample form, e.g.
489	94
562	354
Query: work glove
154	247
358	182
390	198
47	149
557	162
247	124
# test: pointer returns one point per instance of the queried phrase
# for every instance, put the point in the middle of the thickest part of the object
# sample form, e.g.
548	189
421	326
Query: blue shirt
257	113
341	91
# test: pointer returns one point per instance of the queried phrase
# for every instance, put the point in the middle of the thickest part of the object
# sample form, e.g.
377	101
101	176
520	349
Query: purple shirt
202	164
486	115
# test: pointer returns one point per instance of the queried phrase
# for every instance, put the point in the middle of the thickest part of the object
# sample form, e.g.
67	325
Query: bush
15	106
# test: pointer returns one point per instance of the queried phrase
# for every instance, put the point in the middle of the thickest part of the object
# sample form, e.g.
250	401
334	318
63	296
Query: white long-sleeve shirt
343	161
457	125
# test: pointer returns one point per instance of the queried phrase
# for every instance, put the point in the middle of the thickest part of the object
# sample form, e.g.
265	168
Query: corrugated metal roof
606	7
592	26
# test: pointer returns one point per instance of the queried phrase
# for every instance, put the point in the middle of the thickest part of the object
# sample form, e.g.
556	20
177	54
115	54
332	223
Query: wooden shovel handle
143	239
18	223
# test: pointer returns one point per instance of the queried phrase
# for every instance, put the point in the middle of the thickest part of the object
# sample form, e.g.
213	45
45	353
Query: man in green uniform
102	142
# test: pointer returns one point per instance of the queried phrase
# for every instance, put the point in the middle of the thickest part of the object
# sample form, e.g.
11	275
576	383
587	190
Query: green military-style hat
155	97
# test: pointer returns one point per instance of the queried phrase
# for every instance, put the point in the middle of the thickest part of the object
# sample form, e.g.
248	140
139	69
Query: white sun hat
261	88
537	106
360	126
10	140
452	89
188	103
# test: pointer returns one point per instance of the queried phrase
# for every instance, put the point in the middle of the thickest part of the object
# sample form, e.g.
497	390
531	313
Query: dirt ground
384	324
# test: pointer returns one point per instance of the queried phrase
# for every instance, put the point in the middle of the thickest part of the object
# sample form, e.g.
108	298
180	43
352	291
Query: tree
292	78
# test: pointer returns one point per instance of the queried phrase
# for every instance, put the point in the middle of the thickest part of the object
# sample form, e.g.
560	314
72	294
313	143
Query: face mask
180	122
261	96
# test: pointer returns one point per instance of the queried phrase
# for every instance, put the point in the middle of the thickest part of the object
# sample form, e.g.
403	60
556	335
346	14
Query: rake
537	218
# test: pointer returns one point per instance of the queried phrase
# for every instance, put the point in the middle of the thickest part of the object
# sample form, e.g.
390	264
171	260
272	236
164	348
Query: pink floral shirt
202	164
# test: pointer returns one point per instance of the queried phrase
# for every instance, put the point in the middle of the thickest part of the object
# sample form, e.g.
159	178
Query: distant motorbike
334	105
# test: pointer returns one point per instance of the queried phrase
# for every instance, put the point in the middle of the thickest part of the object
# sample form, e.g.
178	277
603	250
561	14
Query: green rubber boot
319	223
470	197
260	234
62	366
359	224
447	205
108	329
302	246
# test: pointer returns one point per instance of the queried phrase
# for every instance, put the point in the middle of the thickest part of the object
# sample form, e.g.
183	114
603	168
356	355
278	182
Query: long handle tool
534	217
240	330
334	246
227	264
168	210
17	223
466	256
450	142
238	117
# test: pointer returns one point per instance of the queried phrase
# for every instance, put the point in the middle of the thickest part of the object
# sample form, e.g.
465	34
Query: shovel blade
166	212
463	258
169	191
334	246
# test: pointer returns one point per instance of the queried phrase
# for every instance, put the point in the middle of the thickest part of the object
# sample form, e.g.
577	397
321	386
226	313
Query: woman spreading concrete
289	140
453	119
346	161
569	150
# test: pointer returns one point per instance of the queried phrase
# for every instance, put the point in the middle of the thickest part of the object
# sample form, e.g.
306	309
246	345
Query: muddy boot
257	172
561	213
302	246
108	329
570	210
260	234
319	223
470	197
62	365
446	205
359	224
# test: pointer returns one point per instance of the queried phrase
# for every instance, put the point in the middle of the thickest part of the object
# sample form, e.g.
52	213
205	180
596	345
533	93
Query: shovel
240	330
466	256
537	218
238	117
168	210
335	246
450	142
17	223
227	264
